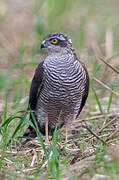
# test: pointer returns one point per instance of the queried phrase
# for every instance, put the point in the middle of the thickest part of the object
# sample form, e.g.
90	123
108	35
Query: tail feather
28	135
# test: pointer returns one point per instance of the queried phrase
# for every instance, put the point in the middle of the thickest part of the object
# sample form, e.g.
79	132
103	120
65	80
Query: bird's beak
43	44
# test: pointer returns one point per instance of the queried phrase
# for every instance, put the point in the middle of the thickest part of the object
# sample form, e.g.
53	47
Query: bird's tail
28	135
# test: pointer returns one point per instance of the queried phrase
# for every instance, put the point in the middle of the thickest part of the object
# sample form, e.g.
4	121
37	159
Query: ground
92	150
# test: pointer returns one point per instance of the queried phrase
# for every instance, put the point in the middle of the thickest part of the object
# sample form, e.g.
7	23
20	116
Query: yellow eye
54	41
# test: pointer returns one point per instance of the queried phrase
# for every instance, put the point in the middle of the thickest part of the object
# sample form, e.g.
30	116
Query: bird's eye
54	41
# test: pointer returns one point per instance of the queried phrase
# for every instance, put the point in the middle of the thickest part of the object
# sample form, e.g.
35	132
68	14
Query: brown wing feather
35	89
86	91
36	86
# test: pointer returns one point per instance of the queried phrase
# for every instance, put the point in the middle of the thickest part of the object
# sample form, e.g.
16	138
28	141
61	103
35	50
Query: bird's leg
67	129
46	131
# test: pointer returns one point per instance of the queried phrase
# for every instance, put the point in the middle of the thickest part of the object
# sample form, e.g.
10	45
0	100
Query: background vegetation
93	27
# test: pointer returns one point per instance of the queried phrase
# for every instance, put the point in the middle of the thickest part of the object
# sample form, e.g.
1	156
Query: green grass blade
39	135
110	100
16	130
98	101
53	166
6	123
5	110
28	122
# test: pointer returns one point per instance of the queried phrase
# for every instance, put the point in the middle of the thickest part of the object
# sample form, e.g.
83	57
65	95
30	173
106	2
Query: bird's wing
86	91
36	86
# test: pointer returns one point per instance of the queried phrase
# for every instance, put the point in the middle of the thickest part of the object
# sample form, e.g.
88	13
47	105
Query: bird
59	88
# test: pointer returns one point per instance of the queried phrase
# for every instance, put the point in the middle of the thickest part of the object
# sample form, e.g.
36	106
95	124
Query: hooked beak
43	44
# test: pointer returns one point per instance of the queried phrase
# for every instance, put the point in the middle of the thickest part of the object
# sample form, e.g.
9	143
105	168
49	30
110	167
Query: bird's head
56	43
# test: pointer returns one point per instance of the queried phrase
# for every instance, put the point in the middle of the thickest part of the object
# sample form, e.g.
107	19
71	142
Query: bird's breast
63	78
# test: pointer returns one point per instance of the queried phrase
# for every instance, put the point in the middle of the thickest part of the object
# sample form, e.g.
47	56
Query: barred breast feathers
63	73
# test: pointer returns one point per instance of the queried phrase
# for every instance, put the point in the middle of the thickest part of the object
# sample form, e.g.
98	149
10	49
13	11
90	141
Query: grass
88	23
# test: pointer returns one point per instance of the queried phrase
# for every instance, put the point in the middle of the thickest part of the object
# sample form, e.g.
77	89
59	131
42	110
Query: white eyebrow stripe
59	37
70	41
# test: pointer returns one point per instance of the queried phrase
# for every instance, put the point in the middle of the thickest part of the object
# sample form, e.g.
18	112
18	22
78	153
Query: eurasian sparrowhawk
60	85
